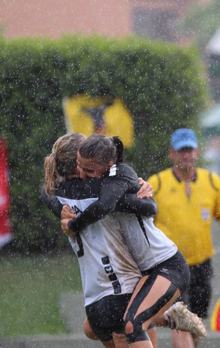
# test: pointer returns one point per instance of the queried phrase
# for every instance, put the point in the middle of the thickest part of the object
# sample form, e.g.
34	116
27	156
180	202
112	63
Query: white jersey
106	265
148	245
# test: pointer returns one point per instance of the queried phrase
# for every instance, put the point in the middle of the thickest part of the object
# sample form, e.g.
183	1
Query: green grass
29	293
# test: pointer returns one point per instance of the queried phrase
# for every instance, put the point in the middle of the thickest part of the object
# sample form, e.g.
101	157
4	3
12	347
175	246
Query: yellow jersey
187	220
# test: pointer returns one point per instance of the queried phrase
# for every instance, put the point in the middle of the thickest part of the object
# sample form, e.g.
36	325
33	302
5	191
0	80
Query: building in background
210	129
213	61
156	19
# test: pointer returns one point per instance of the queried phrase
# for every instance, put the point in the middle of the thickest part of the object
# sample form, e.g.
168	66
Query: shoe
180	318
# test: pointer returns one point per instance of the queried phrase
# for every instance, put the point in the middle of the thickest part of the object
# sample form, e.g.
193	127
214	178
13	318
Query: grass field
29	293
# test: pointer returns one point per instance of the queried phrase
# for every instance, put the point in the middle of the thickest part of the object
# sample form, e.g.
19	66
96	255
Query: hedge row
160	83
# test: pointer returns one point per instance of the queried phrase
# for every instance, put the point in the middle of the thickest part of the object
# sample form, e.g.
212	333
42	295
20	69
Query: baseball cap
183	137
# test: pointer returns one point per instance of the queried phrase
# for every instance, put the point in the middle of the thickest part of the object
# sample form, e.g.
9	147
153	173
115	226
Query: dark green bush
161	84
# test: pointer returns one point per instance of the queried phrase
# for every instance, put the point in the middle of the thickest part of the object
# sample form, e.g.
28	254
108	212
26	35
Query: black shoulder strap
211	182
159	184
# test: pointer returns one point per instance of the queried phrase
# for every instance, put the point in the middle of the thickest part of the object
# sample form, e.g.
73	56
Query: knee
129	328
135	333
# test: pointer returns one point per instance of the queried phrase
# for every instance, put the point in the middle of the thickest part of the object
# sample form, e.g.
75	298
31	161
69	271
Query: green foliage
201	22
160	83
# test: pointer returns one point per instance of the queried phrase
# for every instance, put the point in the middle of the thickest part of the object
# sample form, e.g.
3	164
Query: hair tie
54	155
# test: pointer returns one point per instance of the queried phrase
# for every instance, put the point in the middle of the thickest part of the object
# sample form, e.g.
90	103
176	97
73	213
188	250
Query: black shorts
175	269
197	296
106	315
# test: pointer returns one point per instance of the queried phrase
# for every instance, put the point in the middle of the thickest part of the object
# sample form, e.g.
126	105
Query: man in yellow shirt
188	198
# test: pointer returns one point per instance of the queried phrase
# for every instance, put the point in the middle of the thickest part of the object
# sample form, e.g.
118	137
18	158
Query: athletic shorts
175	269
198	295
106	315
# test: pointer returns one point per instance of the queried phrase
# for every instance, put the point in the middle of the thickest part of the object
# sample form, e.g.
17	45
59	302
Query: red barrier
5	225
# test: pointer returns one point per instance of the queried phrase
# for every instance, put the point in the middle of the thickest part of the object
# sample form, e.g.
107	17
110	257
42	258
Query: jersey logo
77	210
205	212
112	171
108	269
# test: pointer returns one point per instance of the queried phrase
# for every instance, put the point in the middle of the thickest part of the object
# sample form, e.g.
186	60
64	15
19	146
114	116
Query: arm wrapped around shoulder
130	203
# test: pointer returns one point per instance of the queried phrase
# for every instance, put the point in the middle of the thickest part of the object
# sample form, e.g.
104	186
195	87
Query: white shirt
148	245
106	265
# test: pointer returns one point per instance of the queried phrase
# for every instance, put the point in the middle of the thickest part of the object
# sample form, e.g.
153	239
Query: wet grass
29	293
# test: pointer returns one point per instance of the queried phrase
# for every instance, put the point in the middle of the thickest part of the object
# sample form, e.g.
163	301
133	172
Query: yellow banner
215	317
109	116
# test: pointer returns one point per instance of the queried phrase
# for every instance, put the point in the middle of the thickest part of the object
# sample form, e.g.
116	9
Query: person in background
188	198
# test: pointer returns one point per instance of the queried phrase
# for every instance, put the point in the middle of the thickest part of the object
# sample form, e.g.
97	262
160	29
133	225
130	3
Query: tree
201	22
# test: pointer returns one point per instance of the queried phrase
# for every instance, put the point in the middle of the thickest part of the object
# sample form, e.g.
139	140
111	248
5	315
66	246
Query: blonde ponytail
62	161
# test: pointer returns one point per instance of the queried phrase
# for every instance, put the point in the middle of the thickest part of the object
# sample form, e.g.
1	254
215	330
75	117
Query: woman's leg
109	344
182	339
88	331
90	334
152	296
152	333
118	339
121	342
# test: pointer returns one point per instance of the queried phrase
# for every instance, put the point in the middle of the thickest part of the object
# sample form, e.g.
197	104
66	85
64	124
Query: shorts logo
164	270
205	212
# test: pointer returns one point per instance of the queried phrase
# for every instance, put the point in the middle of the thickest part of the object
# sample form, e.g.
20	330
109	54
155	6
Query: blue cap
184	137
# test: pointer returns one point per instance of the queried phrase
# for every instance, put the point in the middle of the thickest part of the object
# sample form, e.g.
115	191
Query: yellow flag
109	116
215	317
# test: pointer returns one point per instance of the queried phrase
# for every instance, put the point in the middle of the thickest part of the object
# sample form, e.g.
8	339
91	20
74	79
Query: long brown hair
62	161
